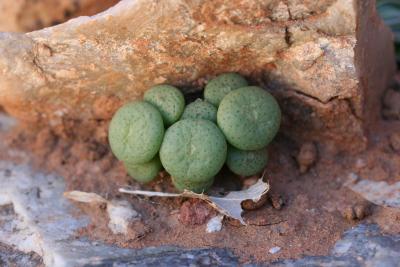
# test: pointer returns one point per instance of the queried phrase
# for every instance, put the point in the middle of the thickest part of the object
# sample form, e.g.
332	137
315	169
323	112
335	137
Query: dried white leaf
229	205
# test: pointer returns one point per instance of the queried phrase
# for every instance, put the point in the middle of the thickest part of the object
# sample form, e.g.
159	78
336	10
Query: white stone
121	214
274	250
215	224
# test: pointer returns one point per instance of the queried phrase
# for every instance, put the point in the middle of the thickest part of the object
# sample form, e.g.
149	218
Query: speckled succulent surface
193	149
168	100
249	117
136	132
144	172
220	86
246	162
200	109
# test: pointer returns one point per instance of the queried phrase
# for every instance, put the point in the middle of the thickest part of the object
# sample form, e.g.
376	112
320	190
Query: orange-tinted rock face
29	15
317	57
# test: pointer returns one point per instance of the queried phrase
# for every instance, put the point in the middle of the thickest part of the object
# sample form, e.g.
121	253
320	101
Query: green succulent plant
193	150
246	162
144	172
136	132
220	86
200	109
197	187
169	100
249	117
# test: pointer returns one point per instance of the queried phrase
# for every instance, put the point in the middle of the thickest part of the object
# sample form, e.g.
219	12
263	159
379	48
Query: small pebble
362	210
274	250
215	224
357	212
348	213
307	157
276	201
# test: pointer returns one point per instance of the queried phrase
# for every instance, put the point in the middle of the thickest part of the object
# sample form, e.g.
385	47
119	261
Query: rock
274	250
276	201
348	213
26	15
194	212
12	257
326	61
307	156
170	256
121	214
363	245
379	193
357	212
215	224
362	210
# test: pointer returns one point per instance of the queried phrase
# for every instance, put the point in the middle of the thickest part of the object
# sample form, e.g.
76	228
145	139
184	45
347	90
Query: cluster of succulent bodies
233	124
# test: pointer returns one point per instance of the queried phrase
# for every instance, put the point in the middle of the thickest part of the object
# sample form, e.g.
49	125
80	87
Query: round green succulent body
197	187
200	109
249	117
246	162
193	150
136	132
169	101
220	86
144	172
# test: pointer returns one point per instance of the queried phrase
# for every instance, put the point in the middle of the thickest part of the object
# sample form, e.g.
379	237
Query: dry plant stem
229	205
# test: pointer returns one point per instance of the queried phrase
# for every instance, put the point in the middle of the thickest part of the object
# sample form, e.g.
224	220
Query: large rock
28	15
327	61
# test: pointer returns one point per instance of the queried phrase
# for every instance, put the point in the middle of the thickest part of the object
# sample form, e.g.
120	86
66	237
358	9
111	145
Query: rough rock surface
327	61
28	15
363	245
11	257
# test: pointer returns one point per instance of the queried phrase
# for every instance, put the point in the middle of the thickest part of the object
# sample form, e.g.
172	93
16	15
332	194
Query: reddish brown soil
316	208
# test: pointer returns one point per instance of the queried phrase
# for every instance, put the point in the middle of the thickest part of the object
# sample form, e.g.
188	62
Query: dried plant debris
229	205
378	192
84	197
